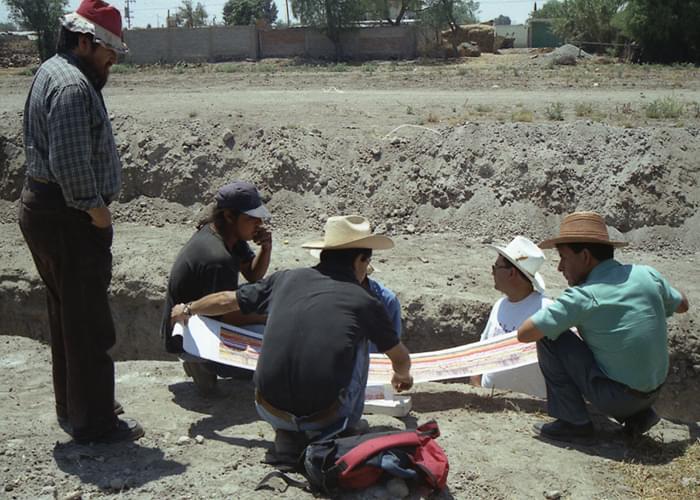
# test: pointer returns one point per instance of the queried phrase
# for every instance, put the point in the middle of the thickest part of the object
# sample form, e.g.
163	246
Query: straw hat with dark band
349	231
582	227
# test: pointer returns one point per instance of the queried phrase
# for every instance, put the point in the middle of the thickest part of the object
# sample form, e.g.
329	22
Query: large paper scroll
231	345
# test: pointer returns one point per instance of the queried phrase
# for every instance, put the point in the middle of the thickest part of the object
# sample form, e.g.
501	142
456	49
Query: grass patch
665	107
522	115
483	108
339	68
555	111
432	118
29	71
263	68
228	68
122	69
657	472
370	67
584	109
462	71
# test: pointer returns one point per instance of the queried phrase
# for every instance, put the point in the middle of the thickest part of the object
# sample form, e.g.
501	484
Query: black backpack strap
304	485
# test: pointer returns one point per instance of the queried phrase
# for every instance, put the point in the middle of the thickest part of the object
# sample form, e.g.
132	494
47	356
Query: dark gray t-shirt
317	317
203	266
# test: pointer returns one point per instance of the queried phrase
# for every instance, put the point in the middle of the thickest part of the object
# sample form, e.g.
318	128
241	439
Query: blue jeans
572	374
352	404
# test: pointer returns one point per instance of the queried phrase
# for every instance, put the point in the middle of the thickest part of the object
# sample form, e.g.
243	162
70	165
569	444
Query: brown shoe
203	377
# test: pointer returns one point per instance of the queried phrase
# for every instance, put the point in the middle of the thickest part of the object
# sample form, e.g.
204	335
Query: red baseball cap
101	20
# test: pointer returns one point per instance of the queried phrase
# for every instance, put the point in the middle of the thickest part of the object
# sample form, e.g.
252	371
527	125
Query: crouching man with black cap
210	262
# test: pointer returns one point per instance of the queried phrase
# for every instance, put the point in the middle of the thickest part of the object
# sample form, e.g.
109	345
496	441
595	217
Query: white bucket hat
349	231
527	257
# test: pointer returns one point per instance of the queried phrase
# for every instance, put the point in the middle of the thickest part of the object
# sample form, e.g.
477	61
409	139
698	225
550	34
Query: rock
397	488
410	229
331	187
76	495
229	139
552	495
199	439
183	440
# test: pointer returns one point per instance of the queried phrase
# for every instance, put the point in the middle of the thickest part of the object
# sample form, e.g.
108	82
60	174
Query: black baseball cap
242	197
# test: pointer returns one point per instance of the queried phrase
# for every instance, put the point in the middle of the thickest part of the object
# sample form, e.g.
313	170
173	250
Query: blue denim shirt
391	304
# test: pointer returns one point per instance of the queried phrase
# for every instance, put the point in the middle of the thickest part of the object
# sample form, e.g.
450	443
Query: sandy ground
482	160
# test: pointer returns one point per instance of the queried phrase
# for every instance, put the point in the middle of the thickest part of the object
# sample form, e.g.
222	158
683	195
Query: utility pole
128	13
286	4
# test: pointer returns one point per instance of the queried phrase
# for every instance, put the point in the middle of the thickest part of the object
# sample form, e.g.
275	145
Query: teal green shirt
620	312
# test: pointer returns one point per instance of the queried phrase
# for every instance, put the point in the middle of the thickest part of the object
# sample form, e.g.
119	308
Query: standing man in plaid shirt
73	173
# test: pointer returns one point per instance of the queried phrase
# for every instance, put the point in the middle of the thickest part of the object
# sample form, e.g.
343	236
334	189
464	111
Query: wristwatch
187	310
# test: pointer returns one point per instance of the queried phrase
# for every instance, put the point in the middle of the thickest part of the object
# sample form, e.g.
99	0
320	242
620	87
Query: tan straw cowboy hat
349	231
582	227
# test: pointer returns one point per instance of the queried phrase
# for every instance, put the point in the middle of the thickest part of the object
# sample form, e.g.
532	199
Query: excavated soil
437	156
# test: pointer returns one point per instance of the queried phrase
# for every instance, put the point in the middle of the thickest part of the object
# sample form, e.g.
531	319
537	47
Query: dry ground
512	145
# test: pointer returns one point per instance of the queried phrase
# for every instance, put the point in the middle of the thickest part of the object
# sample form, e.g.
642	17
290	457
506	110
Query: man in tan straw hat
516	274
73	173
312	372
619	361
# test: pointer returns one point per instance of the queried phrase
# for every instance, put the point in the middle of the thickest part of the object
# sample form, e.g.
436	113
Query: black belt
329	414
41	185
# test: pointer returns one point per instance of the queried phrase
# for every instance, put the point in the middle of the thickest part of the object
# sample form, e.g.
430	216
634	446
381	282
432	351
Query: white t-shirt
505	317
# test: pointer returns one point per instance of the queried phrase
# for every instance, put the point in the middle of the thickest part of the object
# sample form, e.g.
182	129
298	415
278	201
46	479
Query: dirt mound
414	180
17	51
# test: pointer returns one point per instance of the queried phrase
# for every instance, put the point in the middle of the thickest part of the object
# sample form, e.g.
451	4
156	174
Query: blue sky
154	11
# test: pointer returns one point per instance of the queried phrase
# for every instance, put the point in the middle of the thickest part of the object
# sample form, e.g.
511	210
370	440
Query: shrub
522	115
665	107
555	111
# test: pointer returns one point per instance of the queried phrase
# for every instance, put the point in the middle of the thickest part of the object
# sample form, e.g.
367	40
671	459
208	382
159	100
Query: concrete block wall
221	43
282	43
170	45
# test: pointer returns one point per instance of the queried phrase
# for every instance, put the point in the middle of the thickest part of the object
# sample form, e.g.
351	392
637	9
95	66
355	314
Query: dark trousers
572	374
74	259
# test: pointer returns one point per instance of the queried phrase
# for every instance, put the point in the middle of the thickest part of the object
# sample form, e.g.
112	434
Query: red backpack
359	461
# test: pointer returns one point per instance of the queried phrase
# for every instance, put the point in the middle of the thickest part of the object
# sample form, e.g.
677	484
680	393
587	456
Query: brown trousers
74	259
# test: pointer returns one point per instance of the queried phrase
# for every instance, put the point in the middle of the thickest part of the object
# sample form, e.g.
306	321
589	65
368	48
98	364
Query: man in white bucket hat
516	274
73	174
312	372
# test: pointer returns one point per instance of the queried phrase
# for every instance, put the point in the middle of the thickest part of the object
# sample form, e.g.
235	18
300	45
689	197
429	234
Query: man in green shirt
619	359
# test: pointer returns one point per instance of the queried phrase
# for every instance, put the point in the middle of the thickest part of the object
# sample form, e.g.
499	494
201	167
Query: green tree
332	17
4	26
191	17
382	9
588	21
550	10
502	20
42	16
246	12
666	31
448	13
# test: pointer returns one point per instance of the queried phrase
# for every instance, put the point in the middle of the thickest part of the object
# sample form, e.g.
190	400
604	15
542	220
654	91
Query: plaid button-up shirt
68	136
